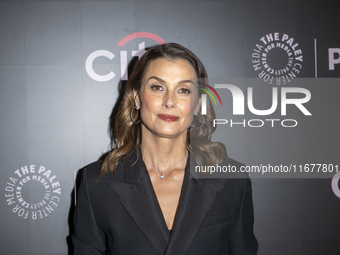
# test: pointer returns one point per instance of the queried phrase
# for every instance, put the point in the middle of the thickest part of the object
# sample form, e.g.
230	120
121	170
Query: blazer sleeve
242	239
88	238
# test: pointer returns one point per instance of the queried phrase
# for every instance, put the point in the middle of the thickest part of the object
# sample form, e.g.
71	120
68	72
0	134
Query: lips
168	118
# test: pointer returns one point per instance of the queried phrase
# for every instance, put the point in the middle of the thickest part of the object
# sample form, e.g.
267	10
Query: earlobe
136	99
198	106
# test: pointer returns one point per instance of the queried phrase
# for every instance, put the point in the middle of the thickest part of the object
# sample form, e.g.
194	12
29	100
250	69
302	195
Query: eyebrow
161	80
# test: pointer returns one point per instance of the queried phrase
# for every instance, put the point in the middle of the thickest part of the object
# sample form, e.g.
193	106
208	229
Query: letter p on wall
332	52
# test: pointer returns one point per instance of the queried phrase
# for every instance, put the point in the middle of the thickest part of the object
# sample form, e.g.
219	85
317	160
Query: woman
145	201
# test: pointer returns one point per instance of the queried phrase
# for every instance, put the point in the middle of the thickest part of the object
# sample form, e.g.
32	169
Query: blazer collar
138	197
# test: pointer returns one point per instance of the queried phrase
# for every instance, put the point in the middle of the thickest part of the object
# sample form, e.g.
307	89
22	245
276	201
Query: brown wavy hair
126	135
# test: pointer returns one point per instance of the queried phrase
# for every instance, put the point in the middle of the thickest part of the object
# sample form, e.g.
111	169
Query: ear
136	98
198	106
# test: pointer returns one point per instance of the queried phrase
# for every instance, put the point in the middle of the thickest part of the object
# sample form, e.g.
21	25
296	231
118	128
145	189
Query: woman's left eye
184	91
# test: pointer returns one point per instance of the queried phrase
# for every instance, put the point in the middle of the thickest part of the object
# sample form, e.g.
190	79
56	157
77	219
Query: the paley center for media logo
33	192
277	58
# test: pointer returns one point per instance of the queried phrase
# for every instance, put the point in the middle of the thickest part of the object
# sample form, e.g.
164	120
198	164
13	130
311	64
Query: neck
163	152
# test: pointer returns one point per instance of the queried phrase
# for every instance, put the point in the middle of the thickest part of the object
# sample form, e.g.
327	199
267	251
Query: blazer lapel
197	198
139	200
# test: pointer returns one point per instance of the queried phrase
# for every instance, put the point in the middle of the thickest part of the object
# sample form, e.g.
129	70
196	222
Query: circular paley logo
33	192
277	58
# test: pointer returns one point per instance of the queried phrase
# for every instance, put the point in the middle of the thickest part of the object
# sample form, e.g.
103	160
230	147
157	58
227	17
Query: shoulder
92	172
236	168
94	166
90	183
232	162
238	182
234	172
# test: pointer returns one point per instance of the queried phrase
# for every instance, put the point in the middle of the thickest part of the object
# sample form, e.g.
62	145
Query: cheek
149	102
193	105
188	108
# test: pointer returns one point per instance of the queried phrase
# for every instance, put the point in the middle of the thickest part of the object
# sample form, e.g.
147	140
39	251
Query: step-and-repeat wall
61	64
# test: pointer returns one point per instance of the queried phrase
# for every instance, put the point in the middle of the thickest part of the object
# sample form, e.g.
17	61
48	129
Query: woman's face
167	99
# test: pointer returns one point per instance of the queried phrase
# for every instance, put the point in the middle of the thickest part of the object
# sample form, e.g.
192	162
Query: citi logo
123	56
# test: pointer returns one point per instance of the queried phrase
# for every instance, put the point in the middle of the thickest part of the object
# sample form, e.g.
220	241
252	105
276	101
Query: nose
169	100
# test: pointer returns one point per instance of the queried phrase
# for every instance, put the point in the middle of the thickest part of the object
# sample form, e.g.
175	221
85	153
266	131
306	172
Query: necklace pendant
162	176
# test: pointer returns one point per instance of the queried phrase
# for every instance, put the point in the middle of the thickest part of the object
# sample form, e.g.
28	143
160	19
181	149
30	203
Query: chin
166	130
168	134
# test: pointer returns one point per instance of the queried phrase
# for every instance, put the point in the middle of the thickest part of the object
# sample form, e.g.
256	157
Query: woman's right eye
156	87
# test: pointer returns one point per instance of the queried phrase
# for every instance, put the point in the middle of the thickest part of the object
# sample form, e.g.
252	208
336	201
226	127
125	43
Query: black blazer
120	214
